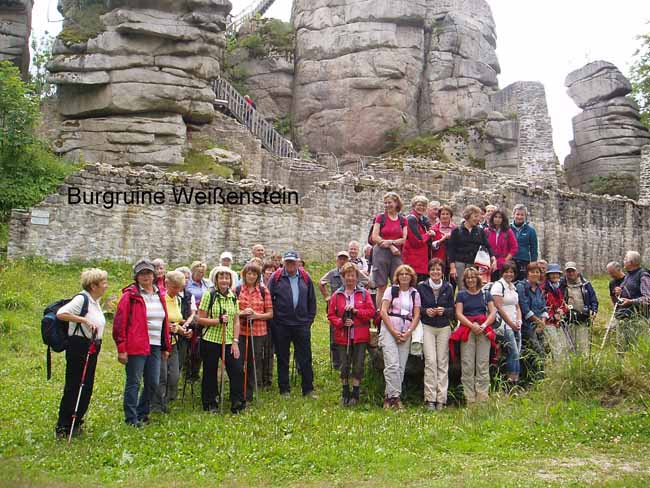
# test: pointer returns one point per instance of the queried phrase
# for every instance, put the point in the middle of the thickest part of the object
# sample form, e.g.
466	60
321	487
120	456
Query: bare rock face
269	82
608	134
461	66
359	64
15	28
364	68
154	59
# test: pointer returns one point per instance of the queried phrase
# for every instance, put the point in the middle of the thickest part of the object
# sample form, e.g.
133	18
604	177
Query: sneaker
431	406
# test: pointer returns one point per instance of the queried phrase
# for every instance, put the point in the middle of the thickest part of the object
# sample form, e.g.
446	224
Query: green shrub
83	21
28	169
255	45
284	126
278	35
426	146
196	161
613	184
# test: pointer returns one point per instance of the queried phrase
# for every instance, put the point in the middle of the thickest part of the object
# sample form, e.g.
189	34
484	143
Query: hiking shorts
384	265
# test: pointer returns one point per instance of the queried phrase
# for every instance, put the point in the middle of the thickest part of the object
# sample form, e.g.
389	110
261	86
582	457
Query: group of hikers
461	290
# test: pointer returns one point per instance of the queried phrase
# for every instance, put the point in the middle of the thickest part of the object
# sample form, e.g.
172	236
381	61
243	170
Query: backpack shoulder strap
213	297
402	220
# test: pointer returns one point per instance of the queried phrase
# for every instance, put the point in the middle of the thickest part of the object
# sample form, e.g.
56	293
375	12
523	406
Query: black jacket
463	244
445	300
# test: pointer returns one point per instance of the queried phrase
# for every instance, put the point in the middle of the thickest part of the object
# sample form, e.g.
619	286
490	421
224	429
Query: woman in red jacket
141	333
502	241
418	235
349	311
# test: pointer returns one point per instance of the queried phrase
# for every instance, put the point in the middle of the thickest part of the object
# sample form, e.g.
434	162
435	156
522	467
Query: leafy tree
42	49
640	78
28	169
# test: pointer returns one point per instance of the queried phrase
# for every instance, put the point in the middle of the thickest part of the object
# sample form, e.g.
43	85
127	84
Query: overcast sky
538	40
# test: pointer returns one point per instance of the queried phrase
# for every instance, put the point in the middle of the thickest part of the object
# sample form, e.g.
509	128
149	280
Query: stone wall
129	91
528	124
571	226
644	177
15	28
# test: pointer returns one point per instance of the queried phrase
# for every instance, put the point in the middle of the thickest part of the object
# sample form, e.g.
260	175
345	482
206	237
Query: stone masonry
528	124
588	229
644	177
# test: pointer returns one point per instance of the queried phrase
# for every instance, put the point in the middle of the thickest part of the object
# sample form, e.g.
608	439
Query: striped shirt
222	305
155	316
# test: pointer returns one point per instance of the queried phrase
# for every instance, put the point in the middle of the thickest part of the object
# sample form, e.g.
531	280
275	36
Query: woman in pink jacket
502	241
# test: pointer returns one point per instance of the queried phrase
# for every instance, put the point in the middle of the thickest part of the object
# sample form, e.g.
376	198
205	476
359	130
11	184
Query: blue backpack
55	331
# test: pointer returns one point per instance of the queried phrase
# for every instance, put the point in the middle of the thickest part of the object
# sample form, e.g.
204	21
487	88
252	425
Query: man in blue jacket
581	299
526	240
294	310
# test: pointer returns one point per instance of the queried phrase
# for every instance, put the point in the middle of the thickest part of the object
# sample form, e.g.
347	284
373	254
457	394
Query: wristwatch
236	341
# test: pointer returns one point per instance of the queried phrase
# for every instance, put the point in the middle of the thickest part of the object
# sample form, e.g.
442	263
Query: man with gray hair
526	240
633	302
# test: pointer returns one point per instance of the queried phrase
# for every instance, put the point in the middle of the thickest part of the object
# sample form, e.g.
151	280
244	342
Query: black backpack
55	331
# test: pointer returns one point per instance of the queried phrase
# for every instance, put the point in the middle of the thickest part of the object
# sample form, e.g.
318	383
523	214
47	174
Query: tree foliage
28	169
42	53
640	78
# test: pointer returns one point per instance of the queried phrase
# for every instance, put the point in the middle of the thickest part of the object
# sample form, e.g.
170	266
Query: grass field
589	425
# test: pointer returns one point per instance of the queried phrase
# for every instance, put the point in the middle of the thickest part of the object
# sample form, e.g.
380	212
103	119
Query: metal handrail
248	13
271	139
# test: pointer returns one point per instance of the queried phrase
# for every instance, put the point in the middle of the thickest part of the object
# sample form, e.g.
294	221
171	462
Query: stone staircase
258	7
256	123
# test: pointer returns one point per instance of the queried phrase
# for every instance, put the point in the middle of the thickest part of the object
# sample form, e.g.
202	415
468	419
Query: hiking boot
144	420
345	400
353	401
61	431
137	425
238	407
397	404
440	407
431	406
285	394
387	403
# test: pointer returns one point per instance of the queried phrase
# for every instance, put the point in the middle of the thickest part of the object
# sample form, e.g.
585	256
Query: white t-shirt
95	315
510	297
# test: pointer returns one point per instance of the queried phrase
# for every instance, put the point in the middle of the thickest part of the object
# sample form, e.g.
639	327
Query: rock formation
15	27
427	66
359	65
608	134
129	91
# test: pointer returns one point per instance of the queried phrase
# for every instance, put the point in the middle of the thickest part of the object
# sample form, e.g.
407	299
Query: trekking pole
250	328
223	366
607	331
246	368
91	350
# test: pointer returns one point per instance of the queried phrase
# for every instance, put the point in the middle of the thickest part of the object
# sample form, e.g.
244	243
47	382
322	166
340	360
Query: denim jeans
137	367
512	340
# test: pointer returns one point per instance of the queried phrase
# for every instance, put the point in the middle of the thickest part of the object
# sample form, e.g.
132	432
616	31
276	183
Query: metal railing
271	139
258	7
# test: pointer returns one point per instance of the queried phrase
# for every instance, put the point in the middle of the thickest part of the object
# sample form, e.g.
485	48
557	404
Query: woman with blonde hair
388	235
476	312
400	314
86	321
